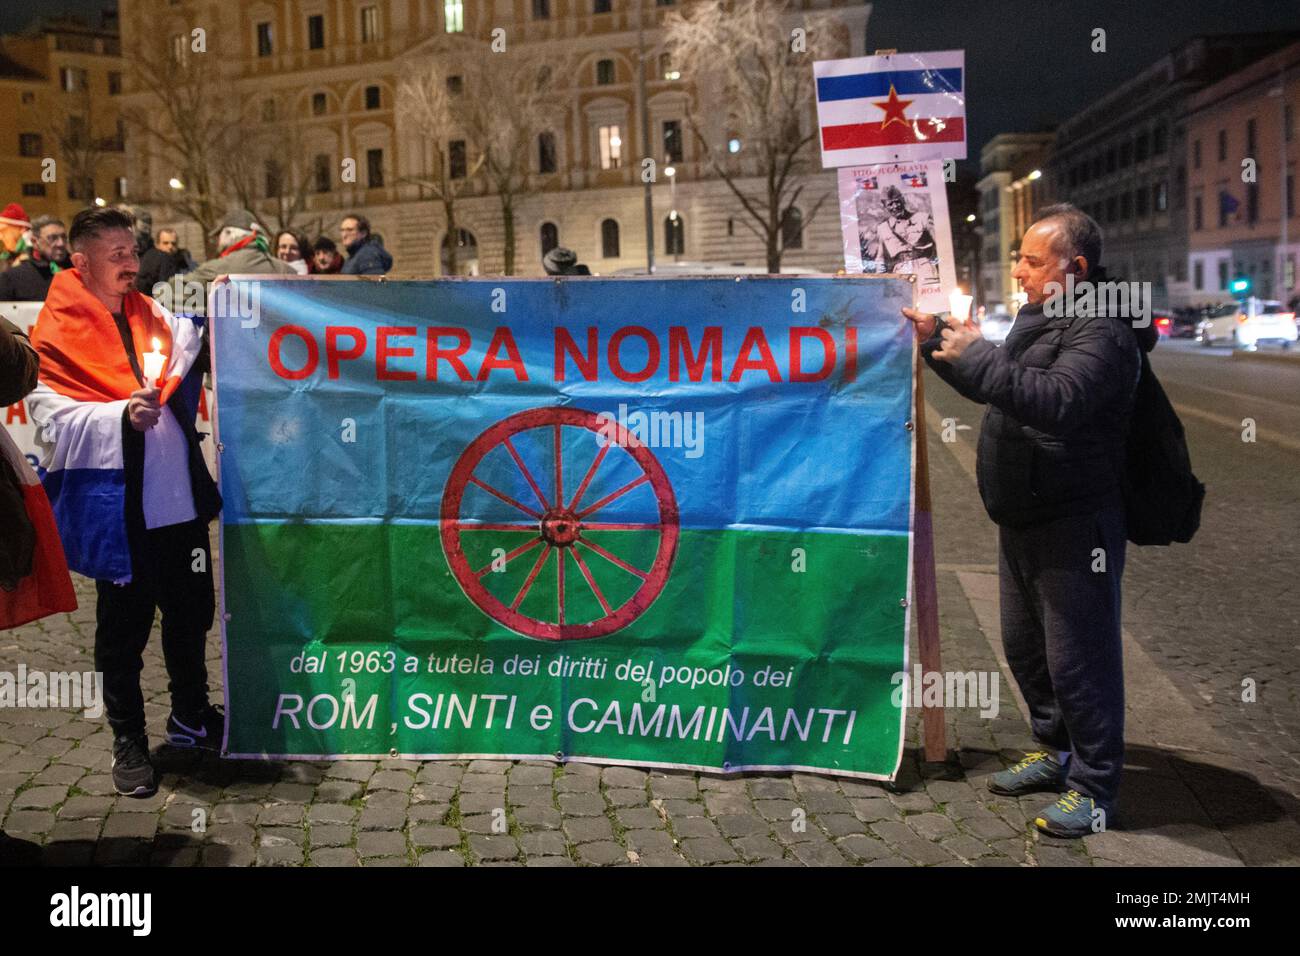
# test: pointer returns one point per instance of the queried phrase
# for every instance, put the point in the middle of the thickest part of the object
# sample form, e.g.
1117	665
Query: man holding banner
124	474
1051	447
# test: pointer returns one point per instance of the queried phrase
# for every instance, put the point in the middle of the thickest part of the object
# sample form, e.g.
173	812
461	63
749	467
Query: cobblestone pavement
1204	804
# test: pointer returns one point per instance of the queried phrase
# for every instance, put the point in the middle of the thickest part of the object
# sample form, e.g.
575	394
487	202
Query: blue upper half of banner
904	82
769	403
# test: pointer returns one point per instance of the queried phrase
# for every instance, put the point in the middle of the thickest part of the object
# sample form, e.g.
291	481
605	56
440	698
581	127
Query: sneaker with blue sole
203	731
1072	816
1037	772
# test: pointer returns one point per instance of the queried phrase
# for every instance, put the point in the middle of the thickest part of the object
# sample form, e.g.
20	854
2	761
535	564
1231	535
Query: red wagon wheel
559	527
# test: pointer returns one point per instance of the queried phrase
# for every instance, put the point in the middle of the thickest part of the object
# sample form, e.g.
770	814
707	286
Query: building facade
1011	190
325	75
1123	161
1241	162
61	83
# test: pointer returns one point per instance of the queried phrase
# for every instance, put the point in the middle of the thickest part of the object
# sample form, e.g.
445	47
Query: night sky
1029	62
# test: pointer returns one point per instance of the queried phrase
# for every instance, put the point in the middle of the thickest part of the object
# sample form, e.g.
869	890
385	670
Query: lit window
611	148
674	234
453	15
369	24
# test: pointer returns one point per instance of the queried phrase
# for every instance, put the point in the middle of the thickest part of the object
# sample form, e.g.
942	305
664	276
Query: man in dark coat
30	279
366	254
161	261
1049	466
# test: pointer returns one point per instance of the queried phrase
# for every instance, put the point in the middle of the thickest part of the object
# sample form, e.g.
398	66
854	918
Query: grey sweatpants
1061	631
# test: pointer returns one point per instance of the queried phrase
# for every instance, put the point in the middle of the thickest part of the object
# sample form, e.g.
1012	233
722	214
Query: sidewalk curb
1287	358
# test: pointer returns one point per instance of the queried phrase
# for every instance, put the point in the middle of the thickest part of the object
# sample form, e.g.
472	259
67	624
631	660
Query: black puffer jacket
1060	392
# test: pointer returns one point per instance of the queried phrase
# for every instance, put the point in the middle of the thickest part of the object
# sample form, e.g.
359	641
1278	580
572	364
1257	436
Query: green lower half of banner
763	648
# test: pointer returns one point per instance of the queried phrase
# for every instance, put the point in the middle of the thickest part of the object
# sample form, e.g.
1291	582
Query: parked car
1164	323
1246	325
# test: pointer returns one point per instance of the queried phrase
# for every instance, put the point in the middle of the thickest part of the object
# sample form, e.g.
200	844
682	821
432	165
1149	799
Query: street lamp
175	183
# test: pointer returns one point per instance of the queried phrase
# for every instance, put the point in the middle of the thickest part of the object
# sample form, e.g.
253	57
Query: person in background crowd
29	280
561	261
15	235
143	226
325	256
136	519
288	248
244	248
161	261
366	253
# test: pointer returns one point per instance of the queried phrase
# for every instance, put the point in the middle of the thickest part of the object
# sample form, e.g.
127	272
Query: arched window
674	234
550	235
792	229
609	239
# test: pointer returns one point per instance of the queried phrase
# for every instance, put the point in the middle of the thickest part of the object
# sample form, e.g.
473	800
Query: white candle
154	362
960	304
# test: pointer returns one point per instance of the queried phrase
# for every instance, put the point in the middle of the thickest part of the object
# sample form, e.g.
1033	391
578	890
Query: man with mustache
131	494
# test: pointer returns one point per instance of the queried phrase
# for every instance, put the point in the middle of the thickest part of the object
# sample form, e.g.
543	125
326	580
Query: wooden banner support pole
925	593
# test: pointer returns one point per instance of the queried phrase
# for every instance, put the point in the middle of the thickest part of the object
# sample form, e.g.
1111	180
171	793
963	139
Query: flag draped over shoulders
86	379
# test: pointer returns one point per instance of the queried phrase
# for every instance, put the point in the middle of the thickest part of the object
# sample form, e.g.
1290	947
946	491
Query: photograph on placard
894	218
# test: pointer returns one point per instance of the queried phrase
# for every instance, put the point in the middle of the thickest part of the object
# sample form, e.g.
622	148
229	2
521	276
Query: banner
891	107
894	218
639	521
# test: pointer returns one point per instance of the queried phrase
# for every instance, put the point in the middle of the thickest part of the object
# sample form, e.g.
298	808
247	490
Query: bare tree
747	51
429	100
68	126
184	124
264	168
507	101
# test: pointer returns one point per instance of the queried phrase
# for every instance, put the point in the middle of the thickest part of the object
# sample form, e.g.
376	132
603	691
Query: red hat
14	215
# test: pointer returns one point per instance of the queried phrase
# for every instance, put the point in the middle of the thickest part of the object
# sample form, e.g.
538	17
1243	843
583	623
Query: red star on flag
893	108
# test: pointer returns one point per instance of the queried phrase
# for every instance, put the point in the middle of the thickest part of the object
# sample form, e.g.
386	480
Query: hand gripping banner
640	521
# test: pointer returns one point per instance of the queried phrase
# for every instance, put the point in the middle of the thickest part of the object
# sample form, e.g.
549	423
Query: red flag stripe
48	589
863	135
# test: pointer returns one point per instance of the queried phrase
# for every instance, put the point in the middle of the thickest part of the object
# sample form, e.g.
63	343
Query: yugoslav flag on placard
897	106
86	381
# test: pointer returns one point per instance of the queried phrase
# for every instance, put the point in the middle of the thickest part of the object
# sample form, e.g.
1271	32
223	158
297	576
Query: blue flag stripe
858	85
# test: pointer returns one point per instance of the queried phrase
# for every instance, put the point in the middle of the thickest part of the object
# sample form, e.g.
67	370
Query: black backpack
1162	498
